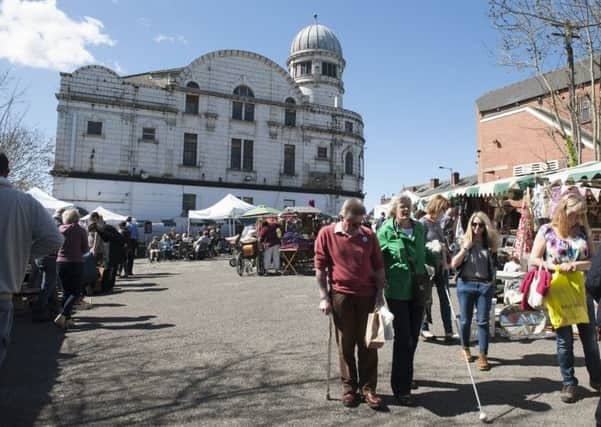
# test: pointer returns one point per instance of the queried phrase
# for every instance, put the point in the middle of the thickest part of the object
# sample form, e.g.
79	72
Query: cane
329	357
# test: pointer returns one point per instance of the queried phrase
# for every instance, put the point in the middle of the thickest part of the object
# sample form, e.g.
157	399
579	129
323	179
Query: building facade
157	144
518	133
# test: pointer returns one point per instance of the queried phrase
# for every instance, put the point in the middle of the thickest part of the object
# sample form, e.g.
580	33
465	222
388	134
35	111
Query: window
289	203
290	115
348	126
242	155
348	163
190	148
188	203
585	110
361	165
249	200
303	68
148	134
322	153
243	110
94	128
328	69
193	85
192	104
289	159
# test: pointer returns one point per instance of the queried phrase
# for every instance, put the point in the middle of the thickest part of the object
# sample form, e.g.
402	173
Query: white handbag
535	299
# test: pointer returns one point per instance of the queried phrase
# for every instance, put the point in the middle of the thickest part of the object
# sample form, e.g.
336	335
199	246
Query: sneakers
483	364
466	355
450	337
427	335
568	394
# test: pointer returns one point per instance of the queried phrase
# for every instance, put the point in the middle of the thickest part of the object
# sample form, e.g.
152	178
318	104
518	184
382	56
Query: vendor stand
300	226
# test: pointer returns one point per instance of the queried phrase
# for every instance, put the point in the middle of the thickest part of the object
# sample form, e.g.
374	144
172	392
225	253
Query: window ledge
322	159
148	141
92	135
187	113
250	122
189	166
241	170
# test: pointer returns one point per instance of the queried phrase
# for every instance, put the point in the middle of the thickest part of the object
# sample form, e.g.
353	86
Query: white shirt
26	230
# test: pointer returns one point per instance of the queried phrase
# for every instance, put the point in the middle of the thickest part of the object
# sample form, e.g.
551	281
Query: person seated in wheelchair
201	246
166	247
153	249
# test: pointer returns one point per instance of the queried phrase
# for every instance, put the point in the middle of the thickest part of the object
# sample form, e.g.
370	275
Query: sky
413	69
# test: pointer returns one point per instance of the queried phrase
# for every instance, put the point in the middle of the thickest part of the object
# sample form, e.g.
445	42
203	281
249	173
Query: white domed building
157	144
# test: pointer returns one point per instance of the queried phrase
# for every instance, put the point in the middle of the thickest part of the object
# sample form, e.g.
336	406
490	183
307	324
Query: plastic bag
566	300
386	318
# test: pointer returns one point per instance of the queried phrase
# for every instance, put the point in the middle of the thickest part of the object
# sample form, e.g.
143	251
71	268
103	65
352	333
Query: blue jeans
408	317
565	349
48	288
441	281
479	295
6	324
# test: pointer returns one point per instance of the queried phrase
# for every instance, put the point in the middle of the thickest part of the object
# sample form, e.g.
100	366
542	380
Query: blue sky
414	69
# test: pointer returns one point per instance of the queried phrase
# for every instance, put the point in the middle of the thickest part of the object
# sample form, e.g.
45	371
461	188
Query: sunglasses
478	224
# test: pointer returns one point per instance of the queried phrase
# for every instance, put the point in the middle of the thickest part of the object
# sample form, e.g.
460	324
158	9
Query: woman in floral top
566	243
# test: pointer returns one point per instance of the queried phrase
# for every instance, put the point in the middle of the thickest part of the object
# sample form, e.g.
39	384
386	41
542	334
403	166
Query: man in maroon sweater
349	257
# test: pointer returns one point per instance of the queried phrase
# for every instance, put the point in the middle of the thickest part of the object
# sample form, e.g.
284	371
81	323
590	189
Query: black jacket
593	276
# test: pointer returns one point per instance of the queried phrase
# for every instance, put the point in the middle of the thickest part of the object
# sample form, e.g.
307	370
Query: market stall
108	216
300	226
225	210
51	204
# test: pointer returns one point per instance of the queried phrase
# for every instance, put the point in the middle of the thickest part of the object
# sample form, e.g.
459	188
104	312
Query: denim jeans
6	324
479	295
408	318
441	281
48	288
565	349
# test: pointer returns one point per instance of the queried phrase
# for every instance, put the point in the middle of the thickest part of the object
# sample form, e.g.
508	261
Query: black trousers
131	256
70	274
408	318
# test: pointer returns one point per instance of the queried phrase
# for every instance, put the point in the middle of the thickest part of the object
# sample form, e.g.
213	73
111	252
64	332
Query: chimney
434	182
455	178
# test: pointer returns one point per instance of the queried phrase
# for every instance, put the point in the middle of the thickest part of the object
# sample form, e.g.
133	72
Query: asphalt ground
191	343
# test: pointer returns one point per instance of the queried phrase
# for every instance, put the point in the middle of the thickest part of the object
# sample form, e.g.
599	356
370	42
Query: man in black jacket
593	287
116	254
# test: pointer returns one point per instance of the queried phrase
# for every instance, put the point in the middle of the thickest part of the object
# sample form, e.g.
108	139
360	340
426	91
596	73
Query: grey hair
70	216
348	205
396	201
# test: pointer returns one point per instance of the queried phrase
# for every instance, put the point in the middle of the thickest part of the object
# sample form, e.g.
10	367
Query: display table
293	257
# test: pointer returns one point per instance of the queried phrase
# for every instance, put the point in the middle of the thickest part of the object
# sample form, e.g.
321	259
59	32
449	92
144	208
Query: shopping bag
374	333
535	299
386	318
566	299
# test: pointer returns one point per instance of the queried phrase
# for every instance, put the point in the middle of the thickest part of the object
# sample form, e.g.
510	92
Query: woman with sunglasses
476	270
567	243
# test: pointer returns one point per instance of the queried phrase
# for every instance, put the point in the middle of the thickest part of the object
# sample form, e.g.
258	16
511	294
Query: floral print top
558	250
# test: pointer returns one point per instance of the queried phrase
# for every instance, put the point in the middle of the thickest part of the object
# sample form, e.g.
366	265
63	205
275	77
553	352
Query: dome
316	36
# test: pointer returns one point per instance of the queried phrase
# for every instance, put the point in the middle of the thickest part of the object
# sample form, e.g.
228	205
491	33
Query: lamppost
449	169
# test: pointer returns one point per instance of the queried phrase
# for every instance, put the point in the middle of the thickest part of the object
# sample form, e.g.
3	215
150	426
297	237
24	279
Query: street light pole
449	169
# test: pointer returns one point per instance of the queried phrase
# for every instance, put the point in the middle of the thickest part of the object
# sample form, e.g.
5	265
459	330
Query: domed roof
316	36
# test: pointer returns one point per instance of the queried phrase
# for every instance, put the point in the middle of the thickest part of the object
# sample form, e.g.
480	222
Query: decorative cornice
202	183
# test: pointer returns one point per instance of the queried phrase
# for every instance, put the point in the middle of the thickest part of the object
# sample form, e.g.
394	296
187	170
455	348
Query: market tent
228	207
50	203
260	210
107	215
378	209
590	170
301	210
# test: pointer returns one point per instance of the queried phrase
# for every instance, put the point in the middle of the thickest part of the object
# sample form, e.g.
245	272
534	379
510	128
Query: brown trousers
350	318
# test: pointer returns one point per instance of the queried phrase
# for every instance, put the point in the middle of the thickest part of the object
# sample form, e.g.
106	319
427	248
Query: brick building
158	144
517	130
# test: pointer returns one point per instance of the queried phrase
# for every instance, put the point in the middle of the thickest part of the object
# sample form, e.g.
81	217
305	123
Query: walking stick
329	357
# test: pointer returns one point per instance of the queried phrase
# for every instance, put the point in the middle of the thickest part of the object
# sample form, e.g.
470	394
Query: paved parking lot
191	343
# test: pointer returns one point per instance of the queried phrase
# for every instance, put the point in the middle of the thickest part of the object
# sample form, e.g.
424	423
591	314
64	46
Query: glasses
478	224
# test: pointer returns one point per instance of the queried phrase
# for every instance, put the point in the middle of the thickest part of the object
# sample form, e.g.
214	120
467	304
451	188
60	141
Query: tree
536	31
29	152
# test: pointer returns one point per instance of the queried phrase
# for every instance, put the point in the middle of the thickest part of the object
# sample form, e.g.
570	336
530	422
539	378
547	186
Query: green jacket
397	248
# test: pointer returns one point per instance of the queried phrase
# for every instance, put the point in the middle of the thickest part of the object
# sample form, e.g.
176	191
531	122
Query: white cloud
118	68
144	22
38	34
159	38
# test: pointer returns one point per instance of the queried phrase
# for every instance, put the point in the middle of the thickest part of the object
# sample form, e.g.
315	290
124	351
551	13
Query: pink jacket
542	287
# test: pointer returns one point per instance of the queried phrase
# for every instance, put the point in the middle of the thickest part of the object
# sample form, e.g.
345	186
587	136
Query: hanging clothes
525	234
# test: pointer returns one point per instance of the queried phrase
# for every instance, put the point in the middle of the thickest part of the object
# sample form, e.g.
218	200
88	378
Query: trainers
450	337
568	394
427	335
467	355
61	321
483	364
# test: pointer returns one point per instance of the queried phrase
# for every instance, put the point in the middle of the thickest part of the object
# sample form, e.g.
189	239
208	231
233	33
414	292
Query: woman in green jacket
402	242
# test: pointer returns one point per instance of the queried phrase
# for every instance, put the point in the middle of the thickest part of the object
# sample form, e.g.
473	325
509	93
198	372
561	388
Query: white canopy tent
108	216
50	203
226	209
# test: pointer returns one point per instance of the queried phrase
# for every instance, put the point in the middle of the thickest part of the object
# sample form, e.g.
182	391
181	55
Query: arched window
193	85
192	99
244	91
243	110
290	115
348	163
